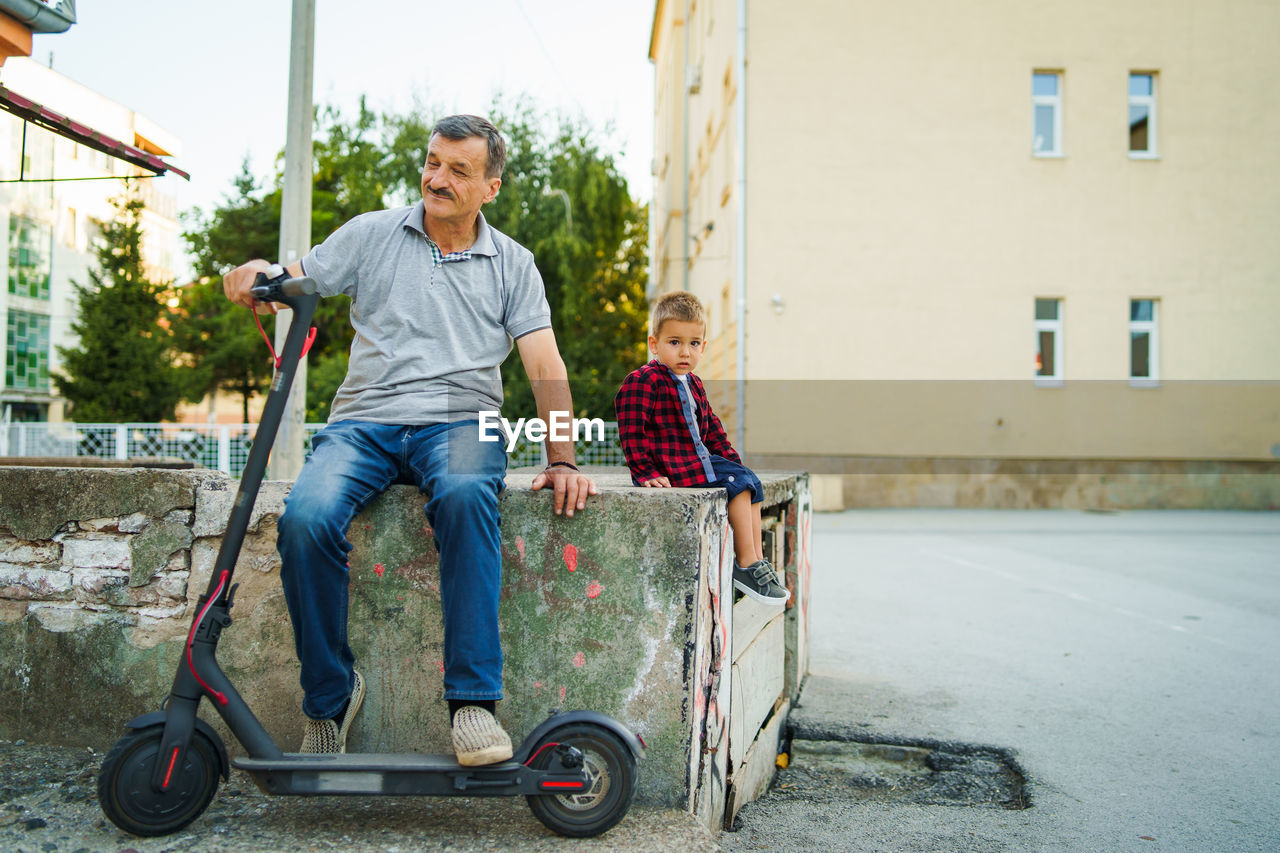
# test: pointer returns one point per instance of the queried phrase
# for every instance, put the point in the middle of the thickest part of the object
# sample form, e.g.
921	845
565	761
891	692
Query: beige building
934	235
54	192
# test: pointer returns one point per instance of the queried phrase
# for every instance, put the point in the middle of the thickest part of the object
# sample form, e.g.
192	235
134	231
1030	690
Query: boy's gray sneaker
759	581
323	736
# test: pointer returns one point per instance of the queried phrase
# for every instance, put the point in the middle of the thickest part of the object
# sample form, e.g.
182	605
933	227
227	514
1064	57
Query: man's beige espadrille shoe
478	738
326	735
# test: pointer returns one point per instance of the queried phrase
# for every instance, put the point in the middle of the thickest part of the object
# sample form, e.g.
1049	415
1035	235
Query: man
437	297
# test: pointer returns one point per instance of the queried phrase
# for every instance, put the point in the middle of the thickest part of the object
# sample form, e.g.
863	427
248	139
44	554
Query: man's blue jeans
351	464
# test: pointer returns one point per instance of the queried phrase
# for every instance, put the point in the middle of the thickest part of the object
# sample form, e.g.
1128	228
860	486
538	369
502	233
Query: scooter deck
396	761
407	774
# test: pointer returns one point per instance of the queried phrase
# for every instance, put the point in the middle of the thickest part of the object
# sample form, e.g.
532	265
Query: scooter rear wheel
612	770
128	798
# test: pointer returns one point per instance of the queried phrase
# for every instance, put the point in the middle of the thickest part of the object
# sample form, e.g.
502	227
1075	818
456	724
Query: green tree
221	346
562	196
122	367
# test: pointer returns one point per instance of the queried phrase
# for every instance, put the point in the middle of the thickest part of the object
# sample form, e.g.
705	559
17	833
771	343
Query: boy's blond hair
681	306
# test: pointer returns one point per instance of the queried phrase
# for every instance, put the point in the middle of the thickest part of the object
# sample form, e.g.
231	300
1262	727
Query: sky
216	74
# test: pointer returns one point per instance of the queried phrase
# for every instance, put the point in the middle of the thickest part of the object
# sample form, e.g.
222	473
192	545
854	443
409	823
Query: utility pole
295	226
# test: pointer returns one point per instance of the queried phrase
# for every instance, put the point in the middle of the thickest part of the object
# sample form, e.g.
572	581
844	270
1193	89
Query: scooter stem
198	672
304	306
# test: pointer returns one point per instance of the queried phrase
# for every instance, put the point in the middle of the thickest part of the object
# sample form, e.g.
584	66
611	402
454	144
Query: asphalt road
1130	659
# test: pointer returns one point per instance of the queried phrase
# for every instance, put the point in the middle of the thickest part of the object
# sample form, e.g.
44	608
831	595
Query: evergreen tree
122	368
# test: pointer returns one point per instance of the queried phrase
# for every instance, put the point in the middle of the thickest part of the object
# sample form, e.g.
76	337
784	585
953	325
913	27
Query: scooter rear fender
555	721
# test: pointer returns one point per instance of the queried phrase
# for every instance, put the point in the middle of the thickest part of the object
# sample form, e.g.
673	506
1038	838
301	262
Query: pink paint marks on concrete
379	568
594	589
562	692
440	664
571	556
520	547
579	660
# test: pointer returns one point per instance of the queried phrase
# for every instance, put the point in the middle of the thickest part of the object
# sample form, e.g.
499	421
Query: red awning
29	110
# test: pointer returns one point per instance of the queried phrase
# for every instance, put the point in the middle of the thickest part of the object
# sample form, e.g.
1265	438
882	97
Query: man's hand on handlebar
238	284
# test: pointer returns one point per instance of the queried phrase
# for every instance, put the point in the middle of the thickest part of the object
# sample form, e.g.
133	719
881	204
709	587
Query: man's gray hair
461	127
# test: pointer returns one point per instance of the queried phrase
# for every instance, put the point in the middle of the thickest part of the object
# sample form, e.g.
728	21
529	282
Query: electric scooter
576	769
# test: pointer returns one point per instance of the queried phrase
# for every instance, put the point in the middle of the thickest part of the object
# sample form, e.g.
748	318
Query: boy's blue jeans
351	464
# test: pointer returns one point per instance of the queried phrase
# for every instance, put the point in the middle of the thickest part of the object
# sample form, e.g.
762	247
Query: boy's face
678	345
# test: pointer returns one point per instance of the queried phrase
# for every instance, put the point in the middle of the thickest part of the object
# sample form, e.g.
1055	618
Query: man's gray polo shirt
429	336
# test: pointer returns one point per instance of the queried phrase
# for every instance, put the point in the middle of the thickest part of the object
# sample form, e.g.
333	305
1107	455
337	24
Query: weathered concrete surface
35	502
617	609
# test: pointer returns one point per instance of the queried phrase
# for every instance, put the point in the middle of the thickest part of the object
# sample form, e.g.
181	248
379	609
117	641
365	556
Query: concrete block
215	498
10	610
20	552
38	583
91	584
64	619
625	608
51	496
173	586
150	550
95	551
134	523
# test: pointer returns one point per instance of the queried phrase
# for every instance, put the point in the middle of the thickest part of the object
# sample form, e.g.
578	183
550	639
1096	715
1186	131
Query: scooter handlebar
280	287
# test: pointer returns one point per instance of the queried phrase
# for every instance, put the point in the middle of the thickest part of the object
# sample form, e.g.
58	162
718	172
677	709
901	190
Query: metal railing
221	447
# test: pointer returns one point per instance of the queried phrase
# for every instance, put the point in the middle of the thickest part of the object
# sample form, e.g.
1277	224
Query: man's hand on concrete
658	483
571	488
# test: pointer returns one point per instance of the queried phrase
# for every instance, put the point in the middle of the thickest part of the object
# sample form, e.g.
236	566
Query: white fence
222	447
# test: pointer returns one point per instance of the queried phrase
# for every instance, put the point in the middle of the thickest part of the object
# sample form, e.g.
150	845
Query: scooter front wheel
611	769
126	793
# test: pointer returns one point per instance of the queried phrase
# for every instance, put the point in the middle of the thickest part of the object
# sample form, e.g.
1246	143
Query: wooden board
757	684
752	777
749	619
800	521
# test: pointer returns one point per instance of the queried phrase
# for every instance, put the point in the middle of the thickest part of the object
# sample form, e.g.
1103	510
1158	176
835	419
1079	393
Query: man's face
454	185
679	346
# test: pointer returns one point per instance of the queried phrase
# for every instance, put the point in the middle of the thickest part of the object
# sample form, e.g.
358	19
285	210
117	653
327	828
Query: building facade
985	231
53	194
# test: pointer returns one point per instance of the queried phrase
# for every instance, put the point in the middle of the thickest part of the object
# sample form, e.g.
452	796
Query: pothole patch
920	772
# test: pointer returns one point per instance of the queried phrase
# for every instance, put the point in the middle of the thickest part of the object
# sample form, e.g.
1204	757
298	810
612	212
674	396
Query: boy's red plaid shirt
655	437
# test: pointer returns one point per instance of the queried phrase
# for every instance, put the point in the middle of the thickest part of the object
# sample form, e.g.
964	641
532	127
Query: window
1046	114
1142	115
1049	341
1144	342
26	362
29	261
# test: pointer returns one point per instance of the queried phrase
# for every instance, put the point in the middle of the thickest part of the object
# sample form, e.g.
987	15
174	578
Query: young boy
672	438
